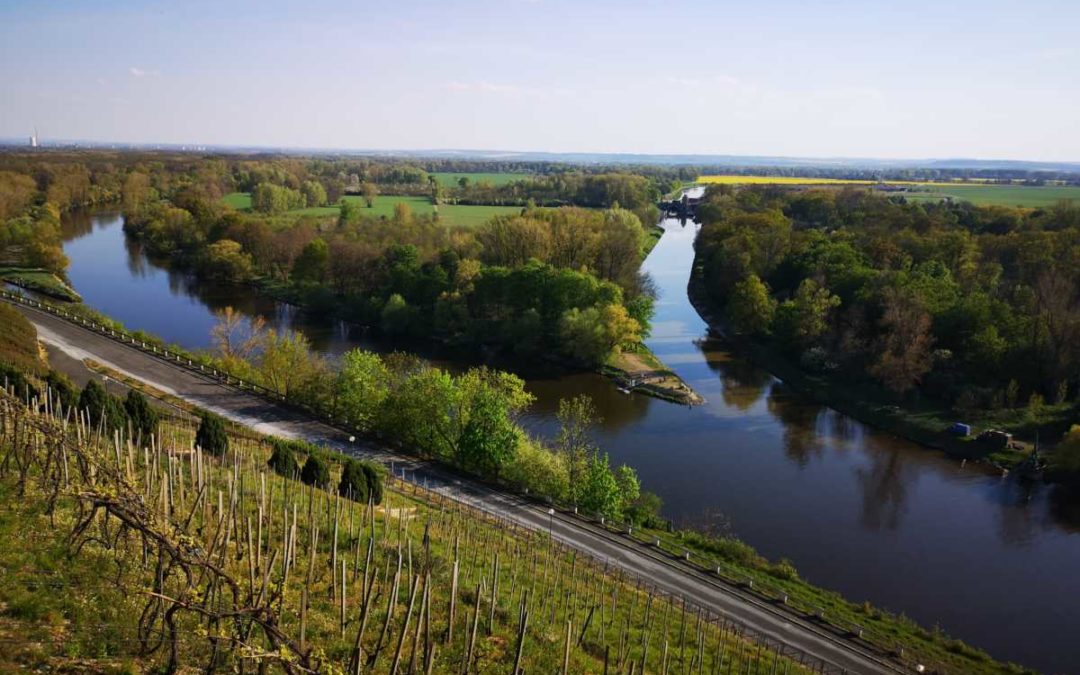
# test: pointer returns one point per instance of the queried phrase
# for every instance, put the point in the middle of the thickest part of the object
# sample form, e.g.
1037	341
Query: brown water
993	561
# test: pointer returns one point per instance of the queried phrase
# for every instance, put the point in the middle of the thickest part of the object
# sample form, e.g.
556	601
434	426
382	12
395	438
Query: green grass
453	215
451	179
241	201
998	195
39	280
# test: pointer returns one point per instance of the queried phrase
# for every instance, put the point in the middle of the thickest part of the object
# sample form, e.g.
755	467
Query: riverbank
39	281
725	559
925	423
639	370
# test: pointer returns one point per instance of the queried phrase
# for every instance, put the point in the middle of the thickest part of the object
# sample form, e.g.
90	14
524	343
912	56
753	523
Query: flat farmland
980	193
452	214
998	195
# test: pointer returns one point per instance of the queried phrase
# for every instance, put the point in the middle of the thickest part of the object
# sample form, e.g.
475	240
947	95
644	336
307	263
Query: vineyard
166	558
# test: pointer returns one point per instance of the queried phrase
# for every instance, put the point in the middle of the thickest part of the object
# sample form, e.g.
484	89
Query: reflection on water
992	561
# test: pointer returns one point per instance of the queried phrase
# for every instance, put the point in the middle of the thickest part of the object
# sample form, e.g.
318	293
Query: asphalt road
667	575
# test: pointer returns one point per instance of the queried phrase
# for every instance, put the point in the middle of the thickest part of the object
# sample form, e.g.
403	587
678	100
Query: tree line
975	307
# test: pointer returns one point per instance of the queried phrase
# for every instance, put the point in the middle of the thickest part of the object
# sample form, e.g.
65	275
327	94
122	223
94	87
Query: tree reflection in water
743	383
799	418
884	485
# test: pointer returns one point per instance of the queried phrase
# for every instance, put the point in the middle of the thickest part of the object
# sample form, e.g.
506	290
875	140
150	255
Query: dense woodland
554	282
977	308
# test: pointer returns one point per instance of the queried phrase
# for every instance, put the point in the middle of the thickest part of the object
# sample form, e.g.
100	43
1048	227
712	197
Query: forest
577	295
976	309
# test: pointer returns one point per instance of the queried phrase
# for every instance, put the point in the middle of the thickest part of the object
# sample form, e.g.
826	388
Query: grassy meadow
451	179
455	215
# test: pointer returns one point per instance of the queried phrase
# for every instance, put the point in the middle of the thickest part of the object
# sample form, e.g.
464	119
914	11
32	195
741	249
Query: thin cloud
484	86
139	72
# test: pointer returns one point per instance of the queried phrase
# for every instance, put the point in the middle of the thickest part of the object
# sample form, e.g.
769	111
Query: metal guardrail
719	570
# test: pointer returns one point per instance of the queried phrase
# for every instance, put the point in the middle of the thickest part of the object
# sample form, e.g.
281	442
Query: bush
354	481
283	458
211	436
376	480
102	407
61	388
315	472
16	382
143	417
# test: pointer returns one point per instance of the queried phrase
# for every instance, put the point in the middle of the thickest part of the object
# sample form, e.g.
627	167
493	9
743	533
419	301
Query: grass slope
248	566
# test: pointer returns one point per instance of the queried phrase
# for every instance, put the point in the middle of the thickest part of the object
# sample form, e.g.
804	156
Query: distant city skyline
980	80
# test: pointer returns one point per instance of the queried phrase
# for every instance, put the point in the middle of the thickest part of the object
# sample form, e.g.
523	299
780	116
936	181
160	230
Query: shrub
101	407
376	480
354	481
283	458
315	472
61	388
143	417
211	436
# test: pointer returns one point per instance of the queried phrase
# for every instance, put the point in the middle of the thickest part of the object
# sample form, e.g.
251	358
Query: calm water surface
990	560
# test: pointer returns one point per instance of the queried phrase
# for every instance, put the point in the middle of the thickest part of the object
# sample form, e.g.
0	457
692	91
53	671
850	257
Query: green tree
211	436
593	334
805	318
577	416
143	416
315	472
226	260
362	387
370	191
600	492
313	263
751	308
314	193
490	436
398	317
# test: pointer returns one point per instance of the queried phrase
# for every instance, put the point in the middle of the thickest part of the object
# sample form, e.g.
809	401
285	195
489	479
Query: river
989	560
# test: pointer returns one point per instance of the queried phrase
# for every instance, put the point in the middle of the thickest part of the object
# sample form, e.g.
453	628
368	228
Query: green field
451	179
998	195
451	214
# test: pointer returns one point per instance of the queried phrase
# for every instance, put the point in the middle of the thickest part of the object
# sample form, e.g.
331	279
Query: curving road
820	645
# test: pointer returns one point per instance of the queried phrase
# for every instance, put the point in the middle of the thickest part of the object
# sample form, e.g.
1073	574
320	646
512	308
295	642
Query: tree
143	417
314	193
211	436
577	416
315	472
600	492
906	345
398	317
226	260
490	437
354	481
283	459
751	308
593	334
287	365
313	264
370	191
362	387
804	318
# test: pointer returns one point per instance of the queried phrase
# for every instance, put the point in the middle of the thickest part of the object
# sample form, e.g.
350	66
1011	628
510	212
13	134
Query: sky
945	79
